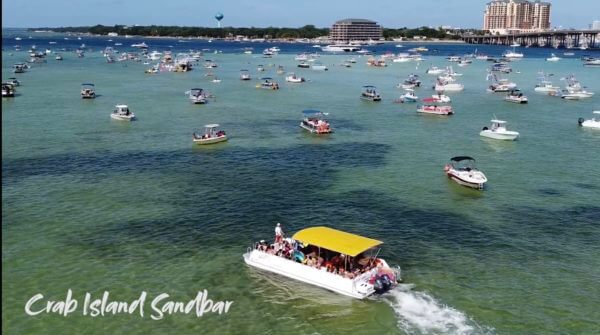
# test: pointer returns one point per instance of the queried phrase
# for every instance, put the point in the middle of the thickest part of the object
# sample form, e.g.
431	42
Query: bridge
582	39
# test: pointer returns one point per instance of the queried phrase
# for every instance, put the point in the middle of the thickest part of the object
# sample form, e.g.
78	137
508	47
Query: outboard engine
387	283
378	285
485	128
580	121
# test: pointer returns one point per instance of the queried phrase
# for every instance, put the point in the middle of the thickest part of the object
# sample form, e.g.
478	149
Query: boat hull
506	136
315	130
211	140
122	117
358	288
465	182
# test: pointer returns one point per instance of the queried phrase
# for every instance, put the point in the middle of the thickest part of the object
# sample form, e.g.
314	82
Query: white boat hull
210	140
591	124
129	117
506	135
449	87
358	288
473	179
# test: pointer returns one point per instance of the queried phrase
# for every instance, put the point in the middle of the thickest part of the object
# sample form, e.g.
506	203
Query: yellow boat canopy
335	240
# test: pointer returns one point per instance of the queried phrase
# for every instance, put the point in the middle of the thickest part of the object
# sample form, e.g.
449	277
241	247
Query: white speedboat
448	85
197	96
411	82
14	81
313	122
245	75
553	58
8	90
369	93
545	86
516	96
498	131
402	58
574	90
58	57
501	85
267	83
338	261
462	170
594	122
293	78
88	91
319	66
512	54
139	45
408	96
210	135
435	70
438	98
340	48
122	113
592	63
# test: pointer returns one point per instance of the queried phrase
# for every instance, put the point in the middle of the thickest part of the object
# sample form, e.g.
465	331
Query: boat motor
580	121
485	128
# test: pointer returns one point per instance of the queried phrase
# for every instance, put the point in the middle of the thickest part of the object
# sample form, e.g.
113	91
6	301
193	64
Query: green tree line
308	31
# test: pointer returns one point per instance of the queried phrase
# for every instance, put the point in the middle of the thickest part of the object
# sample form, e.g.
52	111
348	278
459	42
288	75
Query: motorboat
332	259
88	91
553	58
197	96
139	45
19	68
516	96
369	93
210	135
58	57
402	58
152	70
498	131
544	85
408	96
574	90
376	62
500	84
448	85
245	75
340	48
313	122
435	70
319	66
462	170
216	80
464	62
293	78
435	109
411	82
14	81
8	90
260	68
122	113
594	122
592	63
267	83
501	67
512	54
209	64
455	59
304	65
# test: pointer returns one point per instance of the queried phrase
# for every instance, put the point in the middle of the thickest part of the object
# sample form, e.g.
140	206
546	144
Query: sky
276	13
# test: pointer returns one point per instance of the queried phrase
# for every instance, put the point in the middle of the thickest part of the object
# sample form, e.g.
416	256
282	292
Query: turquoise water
91	204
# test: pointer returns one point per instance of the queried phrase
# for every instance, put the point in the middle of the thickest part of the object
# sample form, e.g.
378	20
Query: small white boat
498	131
245	75
408	96
197	96
501	85
313	122
545	86
411	82
267	83
402	58
462	170
438	98
14	81
293	78
591	123
448	85
553	58
210	136
335	260
369	93
8	90
260	68
435	70
512	54
139	45
516	96
592	63
574	90
88	91
319	66
58	57
216	80
122	113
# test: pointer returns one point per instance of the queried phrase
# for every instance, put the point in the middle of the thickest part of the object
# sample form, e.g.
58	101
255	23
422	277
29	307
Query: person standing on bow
278	233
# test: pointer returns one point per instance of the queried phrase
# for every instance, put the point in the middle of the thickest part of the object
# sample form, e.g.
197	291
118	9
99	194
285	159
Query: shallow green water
92	204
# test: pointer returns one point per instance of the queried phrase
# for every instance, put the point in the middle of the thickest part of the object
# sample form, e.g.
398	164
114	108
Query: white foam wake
419	313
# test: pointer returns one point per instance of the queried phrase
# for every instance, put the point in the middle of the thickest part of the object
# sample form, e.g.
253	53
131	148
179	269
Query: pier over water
580	39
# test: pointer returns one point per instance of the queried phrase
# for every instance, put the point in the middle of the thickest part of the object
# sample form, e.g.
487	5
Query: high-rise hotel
509	16
355	30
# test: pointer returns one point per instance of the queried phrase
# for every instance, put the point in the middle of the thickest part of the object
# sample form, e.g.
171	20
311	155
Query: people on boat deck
278	233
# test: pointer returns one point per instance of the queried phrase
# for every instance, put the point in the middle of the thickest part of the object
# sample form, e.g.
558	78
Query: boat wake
420	313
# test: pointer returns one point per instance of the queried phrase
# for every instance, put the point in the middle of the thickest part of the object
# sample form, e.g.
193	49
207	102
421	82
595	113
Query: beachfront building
355	30
514	16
